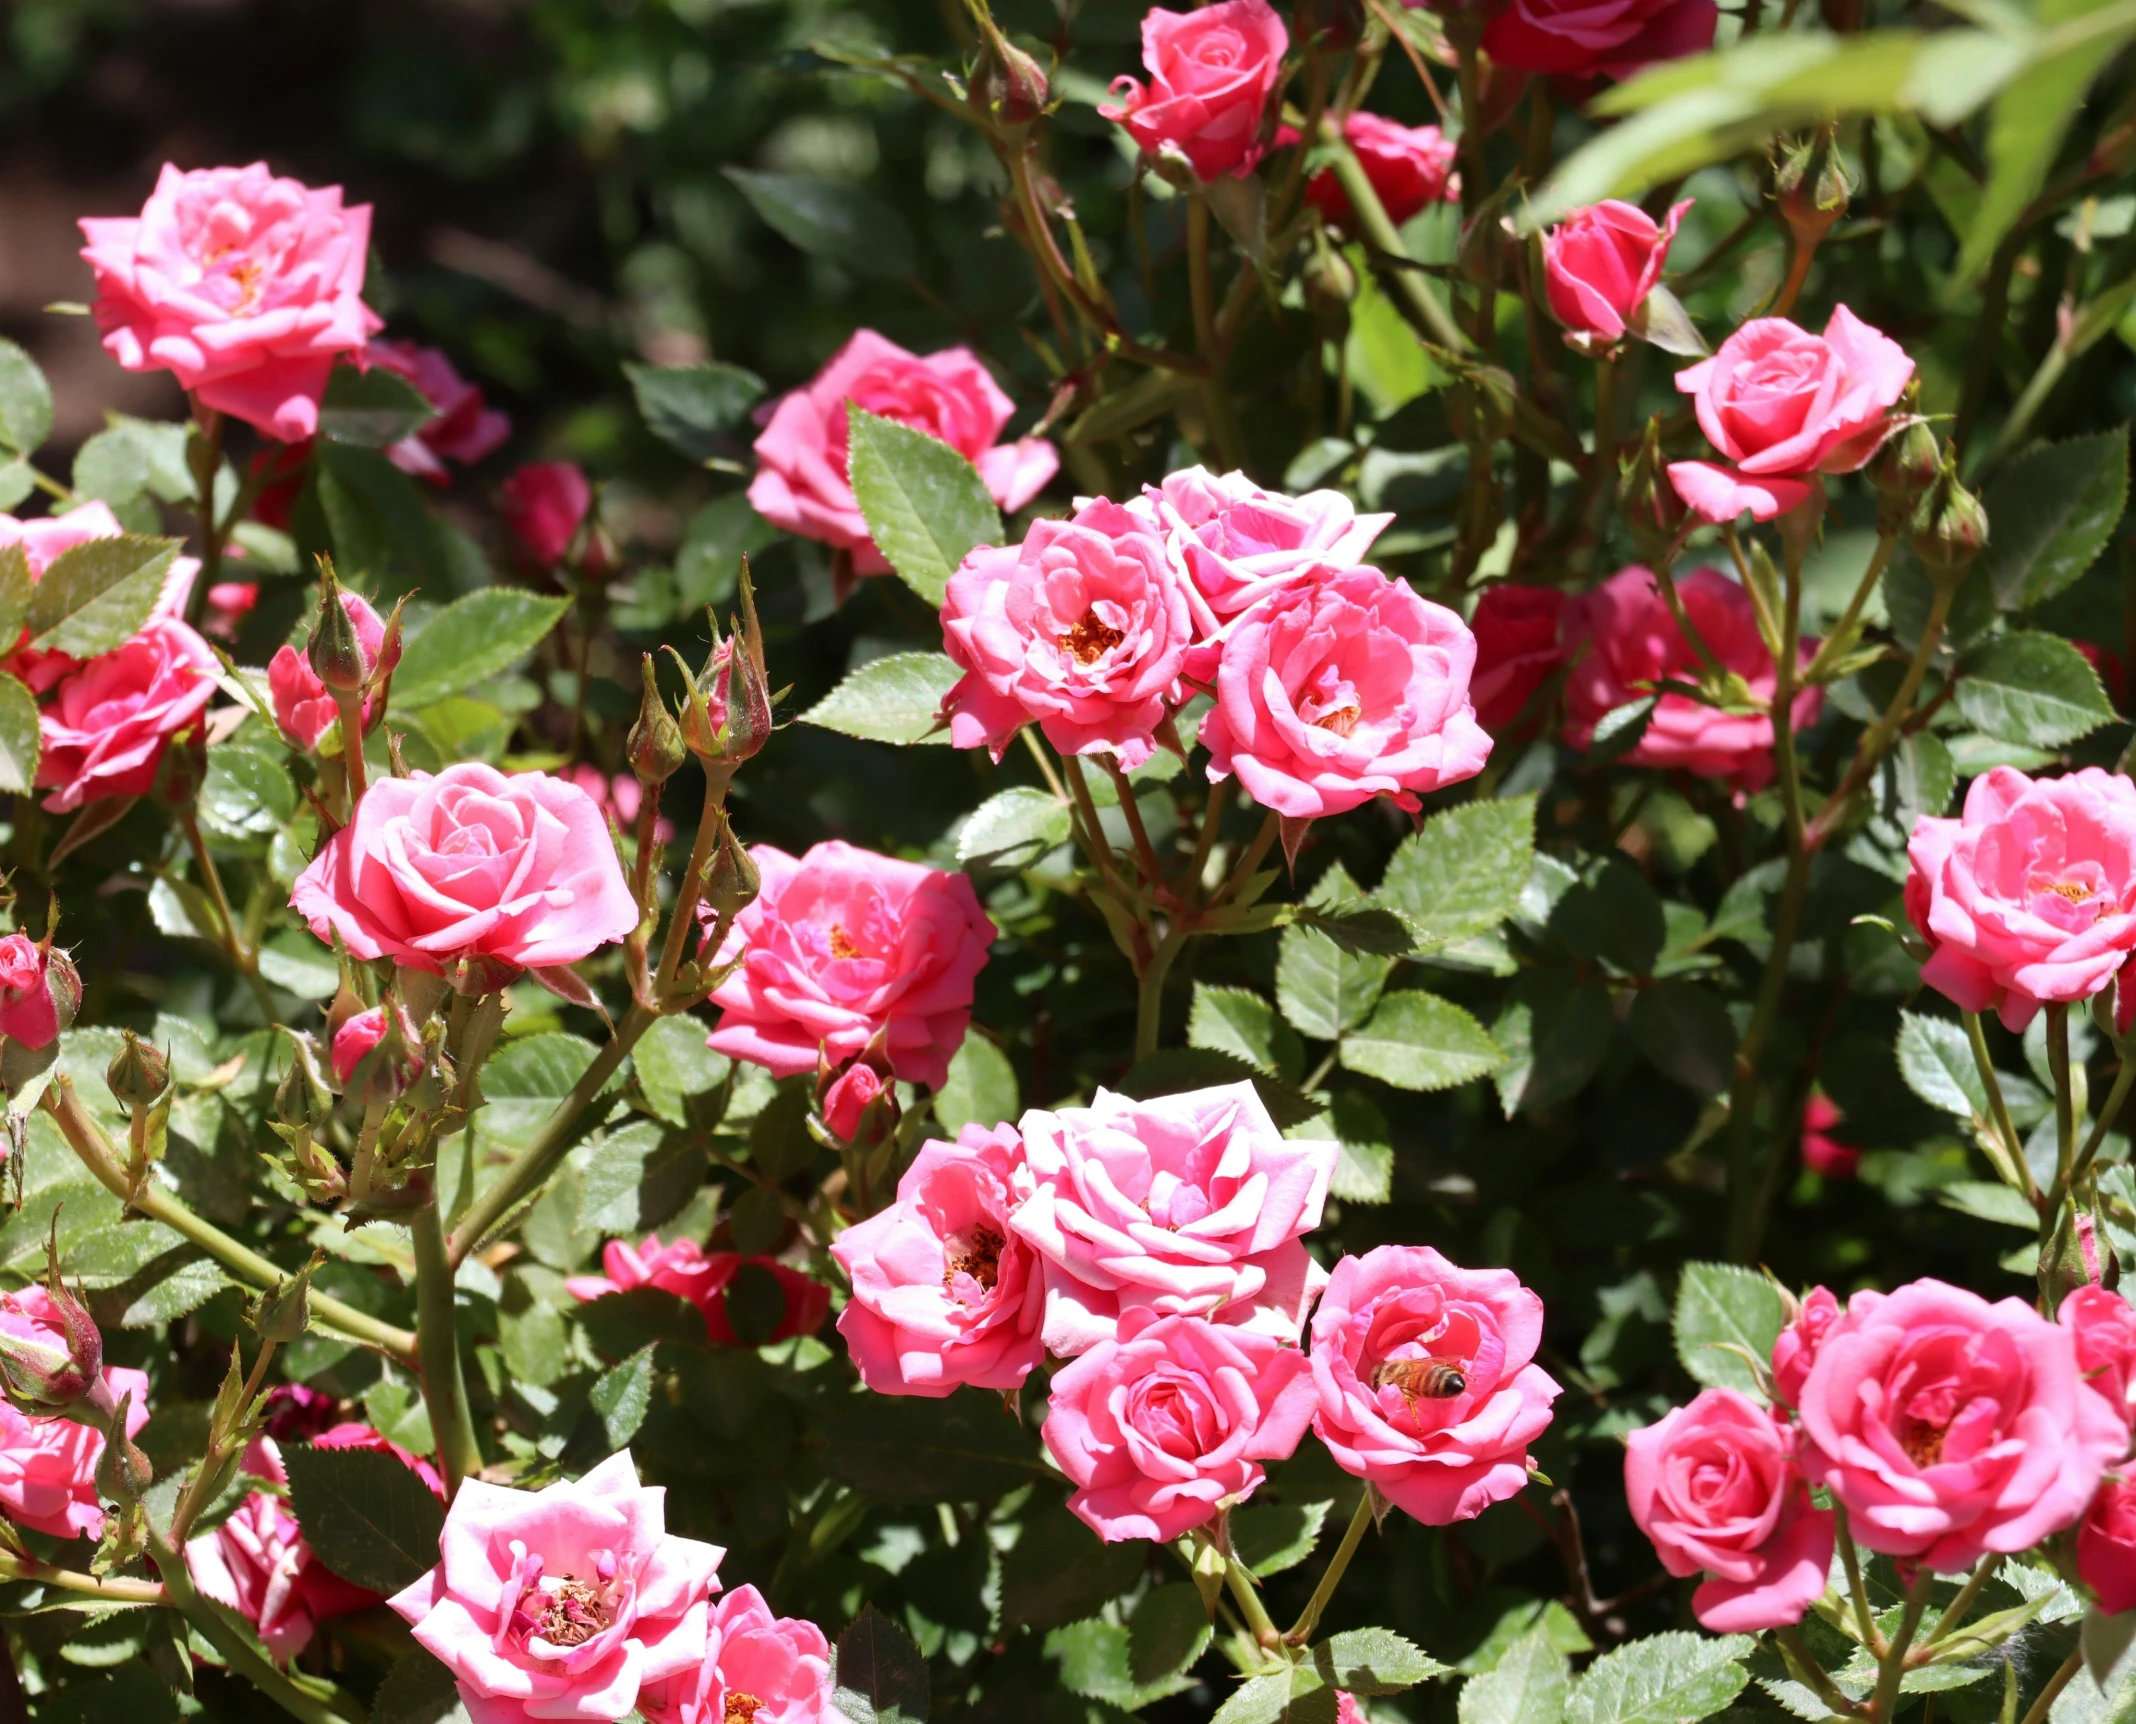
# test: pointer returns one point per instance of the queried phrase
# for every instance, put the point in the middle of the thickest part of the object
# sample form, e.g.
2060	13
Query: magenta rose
683	1268
1167	1423
2030	895
470	864
564	1602
1715	1486
1598	38
1236	544
762	1669
1517	649
39	991
303	706
107	722
1633	644
1190	1205
1080	630
545	506
1409	167
48	1466
241	285
945	1291
1340	690
1949	1427
1427	1381
2106	1546
1784	405
2102	1325
1212	73
1601	262
357	1037
801	482
842	946
1795	1347
464	430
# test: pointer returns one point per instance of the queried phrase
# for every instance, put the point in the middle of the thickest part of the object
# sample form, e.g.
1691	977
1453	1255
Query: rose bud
732	880
51	1354
858	1107
39	991
139	1073
1950	528
655	746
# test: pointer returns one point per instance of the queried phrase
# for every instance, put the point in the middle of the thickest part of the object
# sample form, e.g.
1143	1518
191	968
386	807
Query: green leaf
2051	512
621	1397
25	401
1365	1173
1167	1633
637	1177
17	585
112	465
1936	1060
1172	1071
779	1142
849	225
471	640
924	503
892	699
1464	872
692	408
1373	1661
673	1064
1363	928
1297	1696
1419	1041
247	792
1685	1029
958	1449
20	739
1554	1034
1240	1022
1673	1678
1273	1537
980	1089
95	597
1059	1571
2031	688
1013	827
417	1690
879	1675
524	1080
1528	1685
17	480
1324	991
709	565
1985	1200
1719	1305
369	409
367	1516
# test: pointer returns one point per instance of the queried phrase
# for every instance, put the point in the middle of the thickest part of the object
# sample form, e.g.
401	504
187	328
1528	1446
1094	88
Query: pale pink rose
1715	1486
1601	262
229	604
545	505
802	483
2030	895
845	1104
241	285
1188	1205
2103	1326
29	1007
1598	38
2106	1546
945	1291
469	863
622	796
1949	1427
1409	167
48	1466
303	706
1517	649
703	1278
44	538
1795	1347
1783	405
464	430
1236	544
1632	644
1212	73
842	946
108	721
1427	1380
762	1669
564	1602
1340	690
1163	1426
1081	630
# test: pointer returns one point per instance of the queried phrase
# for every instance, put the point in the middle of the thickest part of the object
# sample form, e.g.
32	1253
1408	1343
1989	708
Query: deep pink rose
1081	629
241	285
1236	544
44	538
468	863
2106	1546
1716	1487
54	1353
842	946
1822	1153
48	1466
1517	649
1339	690
1795	1347
762	1669
2102	1324
1167	1423
1426	1379
303	706
1601	262
1347	1710
703	1278
464	430
1598	38
1783	404
108	721
1948	1427
1211	75
806	1301
563	1602
33	989
945	1292
2030	895
1408	167
363	1032
229	604
1190	1205
545	504
845	1103
1632	644
801	482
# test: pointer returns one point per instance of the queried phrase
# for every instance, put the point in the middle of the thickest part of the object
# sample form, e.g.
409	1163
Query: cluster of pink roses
1158	1247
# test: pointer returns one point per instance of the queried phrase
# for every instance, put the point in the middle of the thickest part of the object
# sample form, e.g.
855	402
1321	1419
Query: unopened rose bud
858	1108
336	652
123	1472
139	1073
1904	470
1330	288
284	1311
385	1033
39	991
1949	525
1007	84
51	1352
655	744
731	879
302	1098
1812	187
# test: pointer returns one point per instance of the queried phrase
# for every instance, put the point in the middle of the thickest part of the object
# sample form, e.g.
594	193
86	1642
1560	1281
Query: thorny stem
1212	821
438	1340
246	963
1100	850
350	705
1263	840
208	1475
1353	1535
2019	1171
1832	645
1145	851
1878	738
2065	1104
206	464
717	778
235	1644
114	1589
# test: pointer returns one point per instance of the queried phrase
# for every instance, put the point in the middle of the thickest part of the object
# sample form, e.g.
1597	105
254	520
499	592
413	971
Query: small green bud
731	878
139	1073
655	745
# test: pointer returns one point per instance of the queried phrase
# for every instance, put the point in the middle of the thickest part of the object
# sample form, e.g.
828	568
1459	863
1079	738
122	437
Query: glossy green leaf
1719	1306
471	640
924	503
892	699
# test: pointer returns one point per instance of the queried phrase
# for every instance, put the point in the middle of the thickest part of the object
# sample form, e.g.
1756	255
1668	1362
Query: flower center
1090	639
2073	890
742	1708
575	1615
1331	702
1924	1444
977	1254
842	943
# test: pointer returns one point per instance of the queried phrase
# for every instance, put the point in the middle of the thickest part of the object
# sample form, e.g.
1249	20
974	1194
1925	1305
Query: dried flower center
1341	721
977	1254
842	943
742	1708
1090	639
575	1615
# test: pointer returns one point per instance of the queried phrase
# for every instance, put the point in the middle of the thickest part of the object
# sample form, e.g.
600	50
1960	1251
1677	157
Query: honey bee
1421	1379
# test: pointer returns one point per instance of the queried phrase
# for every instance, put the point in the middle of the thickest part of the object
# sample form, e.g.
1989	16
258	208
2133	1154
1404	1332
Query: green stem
2124	1079
115	1589
1834	643
1968	1596
2037	1712
1248	1597
2019	1172
2014	428
2065	1104
1263	841
1353	1535
1149	990
1145	851
350	706
684	916
244	962
437	1337
1804	1663
1212	821
237	1646
1851	1558
1201	290
1100	850
1786	667
206	466
1891	1668
1379	232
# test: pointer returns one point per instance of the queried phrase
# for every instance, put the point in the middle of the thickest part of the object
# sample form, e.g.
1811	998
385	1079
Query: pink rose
303	706
1236	544
945	1291
229	604
622	796
1081	629
257	1564
51	1353
1190	1205
1347	1710
1822	1153
1714	1485
762	1669
2106	1546
242	286
545	504
801	482
842	946
1949	1427
1601	262
1795	1347
704	1279
1784	404
2103	1327
37	995
1408	167
1598	38
1427	1382
1340	690
1517	650
1633	644
1161	1427
1212	73
48	1466
108	721
464	430
45	538
845	1103
2030	895
357	1037
467	863
563	1602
